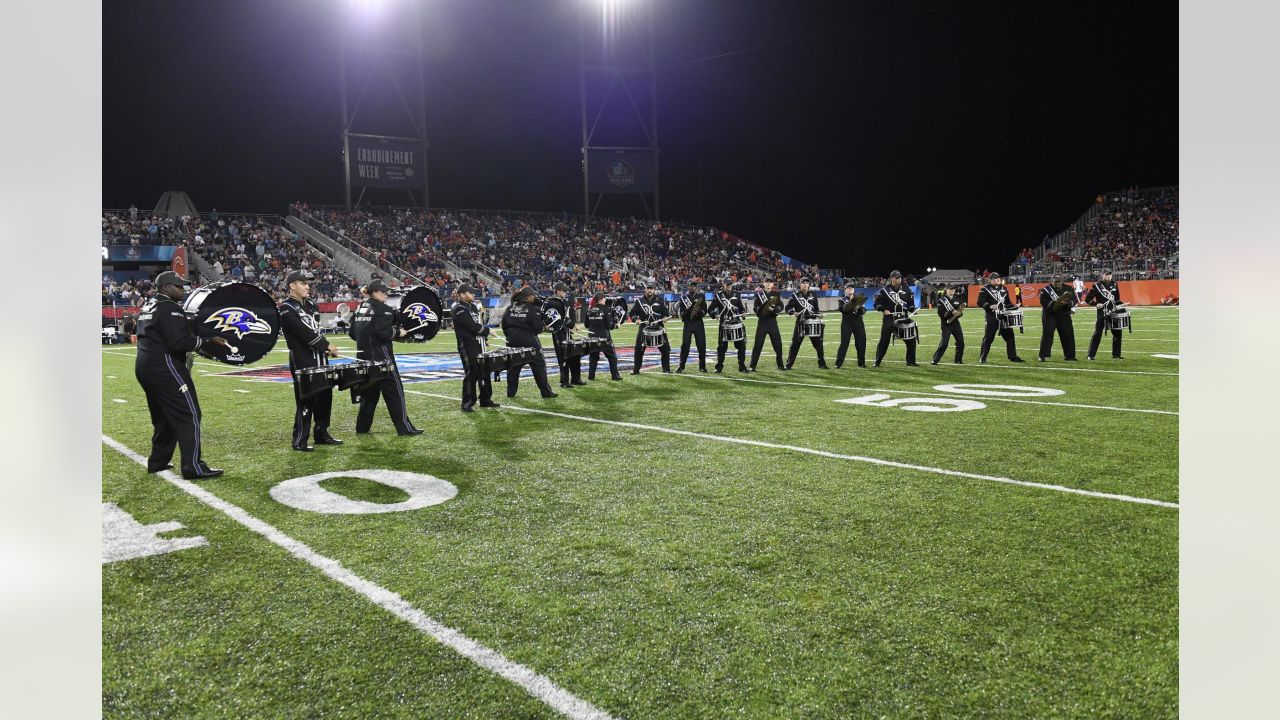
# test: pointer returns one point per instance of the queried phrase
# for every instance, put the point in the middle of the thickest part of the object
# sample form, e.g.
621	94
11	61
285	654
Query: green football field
673	546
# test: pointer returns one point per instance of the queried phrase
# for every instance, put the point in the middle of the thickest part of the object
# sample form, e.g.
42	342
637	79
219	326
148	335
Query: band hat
895	274
299	275
1106	272
464	288
169	277
377	286
804	280
560	286
993	276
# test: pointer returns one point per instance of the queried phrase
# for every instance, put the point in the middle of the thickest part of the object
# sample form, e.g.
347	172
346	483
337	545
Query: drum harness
899	314
999	296
1110	307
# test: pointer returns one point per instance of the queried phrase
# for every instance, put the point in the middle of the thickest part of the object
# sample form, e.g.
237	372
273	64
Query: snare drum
353	374
905	328
598	344
733	332
1010	319
655	337
811	327
574	347
312	381
1119	320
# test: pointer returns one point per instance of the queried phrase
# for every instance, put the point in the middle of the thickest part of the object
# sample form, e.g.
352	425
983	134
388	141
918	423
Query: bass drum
419	311
242	314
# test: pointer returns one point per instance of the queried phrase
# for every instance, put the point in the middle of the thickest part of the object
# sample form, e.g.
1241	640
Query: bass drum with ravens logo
243	314
419	311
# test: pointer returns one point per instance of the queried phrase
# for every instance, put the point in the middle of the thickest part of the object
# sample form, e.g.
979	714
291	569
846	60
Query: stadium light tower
618	92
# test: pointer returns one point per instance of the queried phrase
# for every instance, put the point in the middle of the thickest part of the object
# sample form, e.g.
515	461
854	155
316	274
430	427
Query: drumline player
559	312
1057	303
693	305
374	328
851	312
600	322
993	299
767	306
1105	294
308	348
727	307
521	324
949	311
803	305
895	301
470	334
650	311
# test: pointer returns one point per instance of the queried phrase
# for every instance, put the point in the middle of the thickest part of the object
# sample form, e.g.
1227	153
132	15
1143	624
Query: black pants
570	369
852	327
723	346
539	367
175	415
317	409
797	339
664	349
888	329
769	327
1060	323
474	379
609	355
390	390
950	330
1099	328
989	336
695	331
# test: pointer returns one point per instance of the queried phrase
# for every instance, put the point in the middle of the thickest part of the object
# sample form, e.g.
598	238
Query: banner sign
387	162
620	171
179	264
138	253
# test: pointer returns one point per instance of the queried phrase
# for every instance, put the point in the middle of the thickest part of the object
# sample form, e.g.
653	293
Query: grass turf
665	575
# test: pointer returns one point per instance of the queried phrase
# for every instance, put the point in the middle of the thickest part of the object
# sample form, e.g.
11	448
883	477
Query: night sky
864	136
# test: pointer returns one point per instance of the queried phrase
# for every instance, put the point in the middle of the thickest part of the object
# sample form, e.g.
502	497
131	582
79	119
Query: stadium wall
1133	292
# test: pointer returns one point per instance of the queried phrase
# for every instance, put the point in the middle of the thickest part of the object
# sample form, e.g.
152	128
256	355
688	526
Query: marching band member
601	320
727	307
1056	305
768	305
308	348
649	311
521	324
852	308
164	339
1105	294
949	311
559	315
374	328
693	306
993	299
804	305
470	333
894	301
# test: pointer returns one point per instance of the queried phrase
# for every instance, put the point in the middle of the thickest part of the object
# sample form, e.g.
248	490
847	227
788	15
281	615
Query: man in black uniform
374	328
650	312
471	333
558	313
1056	303
728	308
521	324
601	320
994	299
308	348
804	305
1105	294
768	305
950	309
852	307
164	339
894	301
693	306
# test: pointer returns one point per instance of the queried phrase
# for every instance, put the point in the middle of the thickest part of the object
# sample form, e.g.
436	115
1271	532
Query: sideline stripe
824	453
928	393
539	686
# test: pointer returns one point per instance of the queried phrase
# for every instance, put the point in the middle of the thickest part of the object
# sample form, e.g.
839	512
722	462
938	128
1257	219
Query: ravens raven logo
421	312
239	321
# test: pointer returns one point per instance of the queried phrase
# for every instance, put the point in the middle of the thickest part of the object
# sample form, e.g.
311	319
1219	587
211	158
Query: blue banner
138	253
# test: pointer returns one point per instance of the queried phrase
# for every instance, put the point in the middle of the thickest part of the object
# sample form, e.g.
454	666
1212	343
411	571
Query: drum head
420	312
242	314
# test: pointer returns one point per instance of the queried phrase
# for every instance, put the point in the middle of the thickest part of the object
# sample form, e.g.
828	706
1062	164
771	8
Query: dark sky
865	135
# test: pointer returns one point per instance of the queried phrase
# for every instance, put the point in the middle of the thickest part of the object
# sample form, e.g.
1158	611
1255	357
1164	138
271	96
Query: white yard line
923	393
824	453
538	686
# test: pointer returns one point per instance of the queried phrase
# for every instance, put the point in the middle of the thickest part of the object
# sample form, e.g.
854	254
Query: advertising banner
138	253
387	162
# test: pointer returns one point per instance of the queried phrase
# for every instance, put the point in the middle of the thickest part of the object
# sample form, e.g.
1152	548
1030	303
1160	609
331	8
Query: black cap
1106	272
297	275
895	274
465	288
651	285
598	297
850	286
993	276
169	277
560	286
806	280
377	286
525	291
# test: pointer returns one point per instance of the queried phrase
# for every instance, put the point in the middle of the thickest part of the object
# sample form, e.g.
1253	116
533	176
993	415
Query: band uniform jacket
1049	294
946	306
803	305
727	308
301	327
374	327
645	310
521	324
1106	295
993	299
559	316
164	332
768	304
899	300
693	308
850	308
600	321
468	329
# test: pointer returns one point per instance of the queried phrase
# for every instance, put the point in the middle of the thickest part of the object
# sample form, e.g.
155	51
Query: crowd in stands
1133	231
